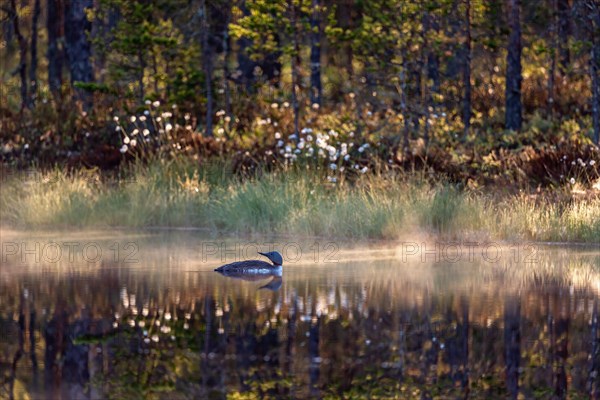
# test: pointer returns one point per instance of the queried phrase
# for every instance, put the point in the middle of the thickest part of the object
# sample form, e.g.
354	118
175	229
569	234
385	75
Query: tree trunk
453	30
564	31
554	43
594	63
79	48
22	69
155	71
141	73
102	30
404	103
315	54
424	78
345	21
295	67
207	54
467	70
54	26
34	60
513	116
245	64
226	51
433	60
271	64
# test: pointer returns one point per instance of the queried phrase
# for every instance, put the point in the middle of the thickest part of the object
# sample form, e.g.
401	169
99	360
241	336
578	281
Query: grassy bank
298	202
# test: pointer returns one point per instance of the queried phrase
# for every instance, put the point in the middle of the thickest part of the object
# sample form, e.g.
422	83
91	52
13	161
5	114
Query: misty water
143	315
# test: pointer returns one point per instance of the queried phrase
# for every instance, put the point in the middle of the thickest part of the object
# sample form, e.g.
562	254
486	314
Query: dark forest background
410	75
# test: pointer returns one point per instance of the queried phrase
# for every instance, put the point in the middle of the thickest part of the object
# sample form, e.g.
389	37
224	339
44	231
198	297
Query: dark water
147	318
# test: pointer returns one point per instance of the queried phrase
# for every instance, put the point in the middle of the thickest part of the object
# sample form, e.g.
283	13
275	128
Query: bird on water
255	266
255	270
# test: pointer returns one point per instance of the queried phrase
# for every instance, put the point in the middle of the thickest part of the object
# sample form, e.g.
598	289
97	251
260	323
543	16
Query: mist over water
143	314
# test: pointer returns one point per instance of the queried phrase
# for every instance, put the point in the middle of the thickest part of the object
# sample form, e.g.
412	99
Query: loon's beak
263	254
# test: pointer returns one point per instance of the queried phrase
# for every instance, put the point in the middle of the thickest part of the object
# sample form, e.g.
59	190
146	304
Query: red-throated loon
255	266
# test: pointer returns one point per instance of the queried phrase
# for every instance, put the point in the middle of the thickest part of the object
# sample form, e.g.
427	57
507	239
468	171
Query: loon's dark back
249	266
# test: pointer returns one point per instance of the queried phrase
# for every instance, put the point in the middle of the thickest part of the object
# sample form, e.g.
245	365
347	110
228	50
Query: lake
117	314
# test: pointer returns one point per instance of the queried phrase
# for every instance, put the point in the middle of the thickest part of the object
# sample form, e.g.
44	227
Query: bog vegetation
321	117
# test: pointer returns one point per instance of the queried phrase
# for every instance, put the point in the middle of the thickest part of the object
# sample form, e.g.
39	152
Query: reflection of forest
356	328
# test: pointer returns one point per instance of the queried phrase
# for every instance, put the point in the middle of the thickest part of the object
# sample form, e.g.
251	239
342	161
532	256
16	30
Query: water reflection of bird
254	270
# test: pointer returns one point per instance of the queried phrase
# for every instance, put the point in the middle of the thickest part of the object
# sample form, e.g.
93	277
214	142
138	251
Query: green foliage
93	87
147	47
264	23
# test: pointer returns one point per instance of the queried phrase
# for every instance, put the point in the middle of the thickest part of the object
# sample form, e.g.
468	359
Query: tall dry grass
289	201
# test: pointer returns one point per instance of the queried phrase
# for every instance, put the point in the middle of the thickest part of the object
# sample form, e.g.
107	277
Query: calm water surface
142	315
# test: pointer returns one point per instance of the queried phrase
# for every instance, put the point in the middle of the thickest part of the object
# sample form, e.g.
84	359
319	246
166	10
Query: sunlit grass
294	201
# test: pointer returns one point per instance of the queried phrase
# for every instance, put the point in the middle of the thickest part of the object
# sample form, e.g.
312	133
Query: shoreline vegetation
292	200
336	119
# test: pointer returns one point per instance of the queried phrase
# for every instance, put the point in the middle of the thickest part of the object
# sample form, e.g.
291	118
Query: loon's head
274	257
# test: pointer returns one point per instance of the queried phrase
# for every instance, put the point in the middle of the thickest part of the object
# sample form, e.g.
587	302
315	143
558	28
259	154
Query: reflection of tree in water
153	335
